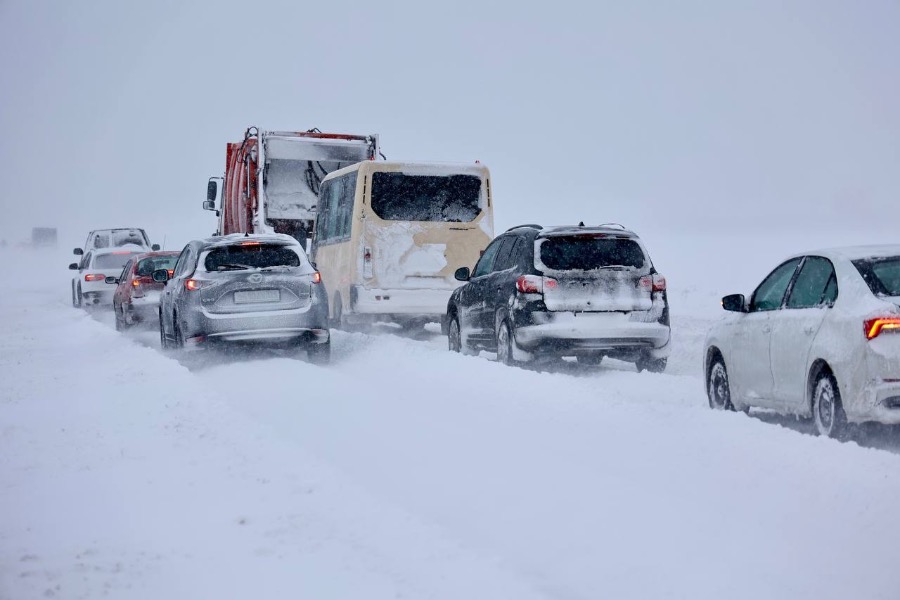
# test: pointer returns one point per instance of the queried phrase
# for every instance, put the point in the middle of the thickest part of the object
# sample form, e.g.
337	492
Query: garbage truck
272	178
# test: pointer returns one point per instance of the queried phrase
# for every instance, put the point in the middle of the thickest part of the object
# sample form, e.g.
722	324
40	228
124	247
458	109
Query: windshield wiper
233	267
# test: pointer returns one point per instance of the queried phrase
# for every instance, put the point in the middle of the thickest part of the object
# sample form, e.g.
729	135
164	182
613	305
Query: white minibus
390	235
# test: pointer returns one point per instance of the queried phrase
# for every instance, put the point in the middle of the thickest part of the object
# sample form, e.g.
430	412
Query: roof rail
618	225
529	225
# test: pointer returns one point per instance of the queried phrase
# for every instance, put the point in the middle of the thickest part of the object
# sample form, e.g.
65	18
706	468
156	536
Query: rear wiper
280	267
616	267
233	267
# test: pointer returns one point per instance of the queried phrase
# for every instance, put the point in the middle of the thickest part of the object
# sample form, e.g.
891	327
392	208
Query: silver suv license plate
254	296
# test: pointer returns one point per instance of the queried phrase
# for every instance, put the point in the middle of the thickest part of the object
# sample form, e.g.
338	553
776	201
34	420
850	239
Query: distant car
114	238
818	338
241	288
43	237
136	296
89	286
587	292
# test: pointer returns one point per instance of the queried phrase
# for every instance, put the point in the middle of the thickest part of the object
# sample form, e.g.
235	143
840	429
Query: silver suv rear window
588	252
251	255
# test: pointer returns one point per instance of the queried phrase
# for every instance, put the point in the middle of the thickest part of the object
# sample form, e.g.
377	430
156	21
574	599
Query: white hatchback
819	338
89	286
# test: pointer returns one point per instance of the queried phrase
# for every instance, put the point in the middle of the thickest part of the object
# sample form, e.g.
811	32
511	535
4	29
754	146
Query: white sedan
818	338
89	286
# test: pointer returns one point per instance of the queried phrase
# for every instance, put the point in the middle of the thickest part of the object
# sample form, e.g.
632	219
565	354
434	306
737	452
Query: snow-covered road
403	470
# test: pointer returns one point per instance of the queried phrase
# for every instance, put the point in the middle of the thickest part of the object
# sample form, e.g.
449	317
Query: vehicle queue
412	243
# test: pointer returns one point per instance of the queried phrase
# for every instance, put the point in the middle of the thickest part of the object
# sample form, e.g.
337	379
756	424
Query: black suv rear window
584	252
442	198
881	274
251	255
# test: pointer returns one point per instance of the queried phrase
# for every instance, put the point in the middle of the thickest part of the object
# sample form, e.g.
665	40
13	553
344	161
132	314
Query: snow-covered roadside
405	470
615	484
122	475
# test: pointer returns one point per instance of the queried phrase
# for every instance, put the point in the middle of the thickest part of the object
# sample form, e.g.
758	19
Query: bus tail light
367	262
874	327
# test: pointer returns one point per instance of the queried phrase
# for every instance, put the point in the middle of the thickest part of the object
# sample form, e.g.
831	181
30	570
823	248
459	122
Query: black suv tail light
534	284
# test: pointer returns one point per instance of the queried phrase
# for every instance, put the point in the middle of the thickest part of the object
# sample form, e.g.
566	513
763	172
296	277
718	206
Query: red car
136	299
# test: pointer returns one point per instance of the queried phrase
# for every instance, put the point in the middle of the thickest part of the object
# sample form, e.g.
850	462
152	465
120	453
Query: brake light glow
874	327
534	284
135	282
367	262
94	277
193	284
249	243
317	277
654	283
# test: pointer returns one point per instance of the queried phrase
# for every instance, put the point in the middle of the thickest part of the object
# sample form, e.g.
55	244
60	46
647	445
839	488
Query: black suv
586	292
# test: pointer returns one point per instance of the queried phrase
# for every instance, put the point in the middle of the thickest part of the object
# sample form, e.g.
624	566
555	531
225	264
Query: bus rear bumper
414	303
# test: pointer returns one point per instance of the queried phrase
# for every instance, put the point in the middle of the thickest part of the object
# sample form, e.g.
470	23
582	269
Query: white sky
727	115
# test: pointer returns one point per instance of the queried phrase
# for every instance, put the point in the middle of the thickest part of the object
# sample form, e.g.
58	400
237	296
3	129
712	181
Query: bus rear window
443	198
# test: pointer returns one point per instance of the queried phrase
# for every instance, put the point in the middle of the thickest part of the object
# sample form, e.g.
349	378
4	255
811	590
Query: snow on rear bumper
878	397
255	326
421	302
594	331
144	308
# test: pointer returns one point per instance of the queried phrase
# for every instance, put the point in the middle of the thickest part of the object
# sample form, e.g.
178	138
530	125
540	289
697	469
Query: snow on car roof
581	229
123	249
855	252
233	238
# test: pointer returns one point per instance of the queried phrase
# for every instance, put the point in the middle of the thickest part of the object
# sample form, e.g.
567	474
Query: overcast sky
704	114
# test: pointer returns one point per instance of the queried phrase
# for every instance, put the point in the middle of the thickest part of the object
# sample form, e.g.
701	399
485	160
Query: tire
589	360
454	336
828	411
653	365
179	337
163	342
504	344
319	354
717	389
77	297
119	324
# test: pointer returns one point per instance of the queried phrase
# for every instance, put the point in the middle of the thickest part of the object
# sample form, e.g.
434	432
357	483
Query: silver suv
587	292
258	289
